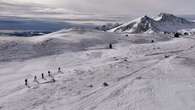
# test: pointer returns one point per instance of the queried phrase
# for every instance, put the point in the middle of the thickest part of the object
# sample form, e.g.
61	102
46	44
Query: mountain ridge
163	23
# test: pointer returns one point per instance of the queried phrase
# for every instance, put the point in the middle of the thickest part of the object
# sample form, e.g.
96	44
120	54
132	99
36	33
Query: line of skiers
43	77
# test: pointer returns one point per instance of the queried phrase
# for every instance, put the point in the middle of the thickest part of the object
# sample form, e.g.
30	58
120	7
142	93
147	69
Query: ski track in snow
143	76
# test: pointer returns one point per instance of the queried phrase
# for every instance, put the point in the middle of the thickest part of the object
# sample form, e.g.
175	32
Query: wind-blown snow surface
140	75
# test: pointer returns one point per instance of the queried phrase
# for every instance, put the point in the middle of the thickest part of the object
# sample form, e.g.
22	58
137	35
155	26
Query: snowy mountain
163	23
141	24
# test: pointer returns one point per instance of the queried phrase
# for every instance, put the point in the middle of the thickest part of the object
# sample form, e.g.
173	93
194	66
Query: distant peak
165	15
144	18
159	24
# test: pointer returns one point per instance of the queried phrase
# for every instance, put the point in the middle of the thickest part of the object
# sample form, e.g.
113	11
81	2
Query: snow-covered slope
163	23
14	48
135	75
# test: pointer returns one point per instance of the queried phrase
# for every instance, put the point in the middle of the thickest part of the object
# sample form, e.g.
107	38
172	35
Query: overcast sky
113	7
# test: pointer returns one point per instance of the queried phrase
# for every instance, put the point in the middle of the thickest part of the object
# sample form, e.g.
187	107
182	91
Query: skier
42	76
49	73
59	70
110	46
52	78
35	80
26	82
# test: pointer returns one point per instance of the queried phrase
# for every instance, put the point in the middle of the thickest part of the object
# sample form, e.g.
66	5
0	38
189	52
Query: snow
163	23
140	75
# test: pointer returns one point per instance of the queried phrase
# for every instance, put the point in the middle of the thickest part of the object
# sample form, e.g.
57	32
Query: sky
72	8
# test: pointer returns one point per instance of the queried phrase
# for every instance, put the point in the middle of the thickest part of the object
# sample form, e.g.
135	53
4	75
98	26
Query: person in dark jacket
42	76
110	46
59	70
26	82
49	73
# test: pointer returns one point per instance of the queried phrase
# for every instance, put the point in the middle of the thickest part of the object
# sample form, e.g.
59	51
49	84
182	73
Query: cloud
138	7
116	7
31	10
